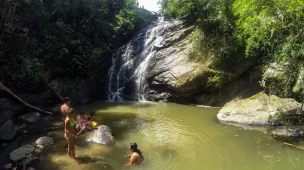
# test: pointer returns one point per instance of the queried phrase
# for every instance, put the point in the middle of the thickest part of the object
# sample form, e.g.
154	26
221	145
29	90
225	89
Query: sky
150	5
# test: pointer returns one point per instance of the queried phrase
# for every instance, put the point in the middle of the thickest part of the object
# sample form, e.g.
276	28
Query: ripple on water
169	139
175	137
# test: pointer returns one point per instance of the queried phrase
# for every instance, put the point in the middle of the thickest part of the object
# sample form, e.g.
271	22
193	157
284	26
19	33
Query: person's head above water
133	148
67	100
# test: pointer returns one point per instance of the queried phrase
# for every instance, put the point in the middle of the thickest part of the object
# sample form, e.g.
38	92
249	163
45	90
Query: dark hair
92	113
66	99
82	113
133	147
70	111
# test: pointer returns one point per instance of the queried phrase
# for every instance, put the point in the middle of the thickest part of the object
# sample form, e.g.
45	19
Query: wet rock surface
101	135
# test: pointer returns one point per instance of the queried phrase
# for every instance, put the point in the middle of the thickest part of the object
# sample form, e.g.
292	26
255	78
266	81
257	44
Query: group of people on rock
72	129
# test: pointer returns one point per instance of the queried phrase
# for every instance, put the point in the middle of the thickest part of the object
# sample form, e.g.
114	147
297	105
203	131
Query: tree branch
59	97
25	104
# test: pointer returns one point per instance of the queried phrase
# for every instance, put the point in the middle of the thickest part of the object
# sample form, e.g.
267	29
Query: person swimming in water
70	132
136	156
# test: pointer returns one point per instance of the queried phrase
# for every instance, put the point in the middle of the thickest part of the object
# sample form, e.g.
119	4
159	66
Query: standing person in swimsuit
66	105
136	156
70	132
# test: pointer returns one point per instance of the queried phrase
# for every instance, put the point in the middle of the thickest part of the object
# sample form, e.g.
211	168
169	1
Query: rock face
298	88
102	135
45	141
259	110
21	152
32	117
241	88
8	109
158	65
7	131
77	90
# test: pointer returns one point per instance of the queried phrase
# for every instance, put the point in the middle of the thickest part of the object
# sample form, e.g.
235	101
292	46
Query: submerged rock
288	132
259	110
101	135
32	117
21	152
45	141
7	131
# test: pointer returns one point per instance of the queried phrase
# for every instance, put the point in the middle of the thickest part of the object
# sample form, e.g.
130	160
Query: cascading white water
130	63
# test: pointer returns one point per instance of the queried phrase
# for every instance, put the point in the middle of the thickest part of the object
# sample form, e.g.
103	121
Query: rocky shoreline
283	117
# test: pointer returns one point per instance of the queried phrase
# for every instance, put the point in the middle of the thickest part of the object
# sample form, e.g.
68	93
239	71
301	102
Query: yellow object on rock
94	124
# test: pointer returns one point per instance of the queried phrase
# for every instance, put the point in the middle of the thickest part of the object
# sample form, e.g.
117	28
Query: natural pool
173	137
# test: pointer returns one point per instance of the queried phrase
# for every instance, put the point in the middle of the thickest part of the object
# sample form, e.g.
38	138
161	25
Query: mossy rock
259	110
298	88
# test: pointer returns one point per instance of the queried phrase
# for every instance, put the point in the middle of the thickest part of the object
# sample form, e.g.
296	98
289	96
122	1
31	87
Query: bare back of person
136	158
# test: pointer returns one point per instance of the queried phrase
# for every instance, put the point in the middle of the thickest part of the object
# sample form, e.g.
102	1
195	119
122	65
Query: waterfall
127	75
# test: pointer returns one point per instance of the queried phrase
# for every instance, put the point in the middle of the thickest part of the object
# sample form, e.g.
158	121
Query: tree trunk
2	87
59	97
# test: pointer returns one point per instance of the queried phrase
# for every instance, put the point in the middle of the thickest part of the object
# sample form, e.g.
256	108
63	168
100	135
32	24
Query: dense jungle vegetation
63	38
238	34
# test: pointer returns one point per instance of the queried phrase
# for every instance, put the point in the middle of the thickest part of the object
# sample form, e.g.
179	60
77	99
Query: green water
174	137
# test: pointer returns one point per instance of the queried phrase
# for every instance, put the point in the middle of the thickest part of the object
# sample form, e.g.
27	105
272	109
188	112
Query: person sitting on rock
91	119
83	123
136	156
66	105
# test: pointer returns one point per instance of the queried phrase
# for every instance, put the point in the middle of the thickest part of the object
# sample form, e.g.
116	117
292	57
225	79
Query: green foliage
234	35
62	38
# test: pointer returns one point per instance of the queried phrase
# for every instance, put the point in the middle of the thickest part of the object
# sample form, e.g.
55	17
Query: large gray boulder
31	117
259	110
45	141
101	135
7	131
21	152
